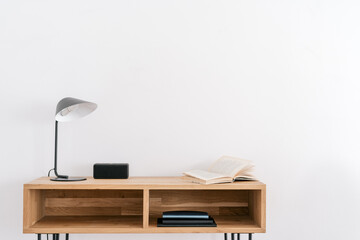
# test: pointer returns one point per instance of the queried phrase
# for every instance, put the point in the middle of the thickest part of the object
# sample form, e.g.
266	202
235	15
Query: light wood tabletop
177	182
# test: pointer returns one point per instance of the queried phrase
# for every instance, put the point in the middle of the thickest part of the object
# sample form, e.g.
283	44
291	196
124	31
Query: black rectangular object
111	170
181	223
185	214
187	221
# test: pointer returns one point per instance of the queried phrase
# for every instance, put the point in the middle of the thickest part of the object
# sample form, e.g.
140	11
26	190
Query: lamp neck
55	157
56	139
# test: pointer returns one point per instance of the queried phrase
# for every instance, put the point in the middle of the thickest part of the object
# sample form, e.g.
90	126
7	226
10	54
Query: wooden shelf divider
146	208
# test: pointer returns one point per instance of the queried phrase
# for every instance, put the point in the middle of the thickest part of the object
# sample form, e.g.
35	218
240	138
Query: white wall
178	84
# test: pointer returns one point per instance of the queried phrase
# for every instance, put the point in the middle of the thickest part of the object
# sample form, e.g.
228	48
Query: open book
225	169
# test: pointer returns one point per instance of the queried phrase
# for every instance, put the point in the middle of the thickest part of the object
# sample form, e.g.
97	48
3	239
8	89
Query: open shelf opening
88	208
229	208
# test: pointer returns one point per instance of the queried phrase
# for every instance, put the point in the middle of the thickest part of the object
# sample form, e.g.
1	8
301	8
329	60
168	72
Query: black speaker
111	170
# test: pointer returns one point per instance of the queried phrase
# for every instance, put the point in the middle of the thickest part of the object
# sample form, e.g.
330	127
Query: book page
230	166
245	176
205	175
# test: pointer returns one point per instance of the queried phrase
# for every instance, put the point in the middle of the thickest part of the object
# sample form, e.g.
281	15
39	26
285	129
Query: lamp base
69	179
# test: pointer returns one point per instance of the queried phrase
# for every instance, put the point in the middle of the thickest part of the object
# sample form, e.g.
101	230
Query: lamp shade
69	109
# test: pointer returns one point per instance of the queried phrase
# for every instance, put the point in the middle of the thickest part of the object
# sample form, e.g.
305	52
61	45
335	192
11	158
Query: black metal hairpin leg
233	236
67	236
39	236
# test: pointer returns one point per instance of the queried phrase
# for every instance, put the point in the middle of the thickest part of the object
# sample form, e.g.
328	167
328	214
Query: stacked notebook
186	219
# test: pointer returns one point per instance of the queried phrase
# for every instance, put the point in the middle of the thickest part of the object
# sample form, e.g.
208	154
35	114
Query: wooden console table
133	205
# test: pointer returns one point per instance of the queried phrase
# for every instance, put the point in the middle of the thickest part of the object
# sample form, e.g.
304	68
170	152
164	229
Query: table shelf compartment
64	210
231	209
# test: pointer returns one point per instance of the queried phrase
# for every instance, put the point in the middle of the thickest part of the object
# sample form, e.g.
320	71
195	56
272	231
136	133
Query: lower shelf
225	224
134	224
87	224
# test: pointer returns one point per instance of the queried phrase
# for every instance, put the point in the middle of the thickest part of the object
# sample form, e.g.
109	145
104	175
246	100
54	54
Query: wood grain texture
263	209
146	206
33	208
225	224
133	205
133	224
138	183
215	202
93	211
257	207
87	224
68	192
92	202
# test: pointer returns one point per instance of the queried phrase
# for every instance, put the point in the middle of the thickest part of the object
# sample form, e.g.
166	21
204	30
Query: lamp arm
55	157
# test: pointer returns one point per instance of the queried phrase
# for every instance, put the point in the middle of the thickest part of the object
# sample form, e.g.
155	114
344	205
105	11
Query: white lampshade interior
76	111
